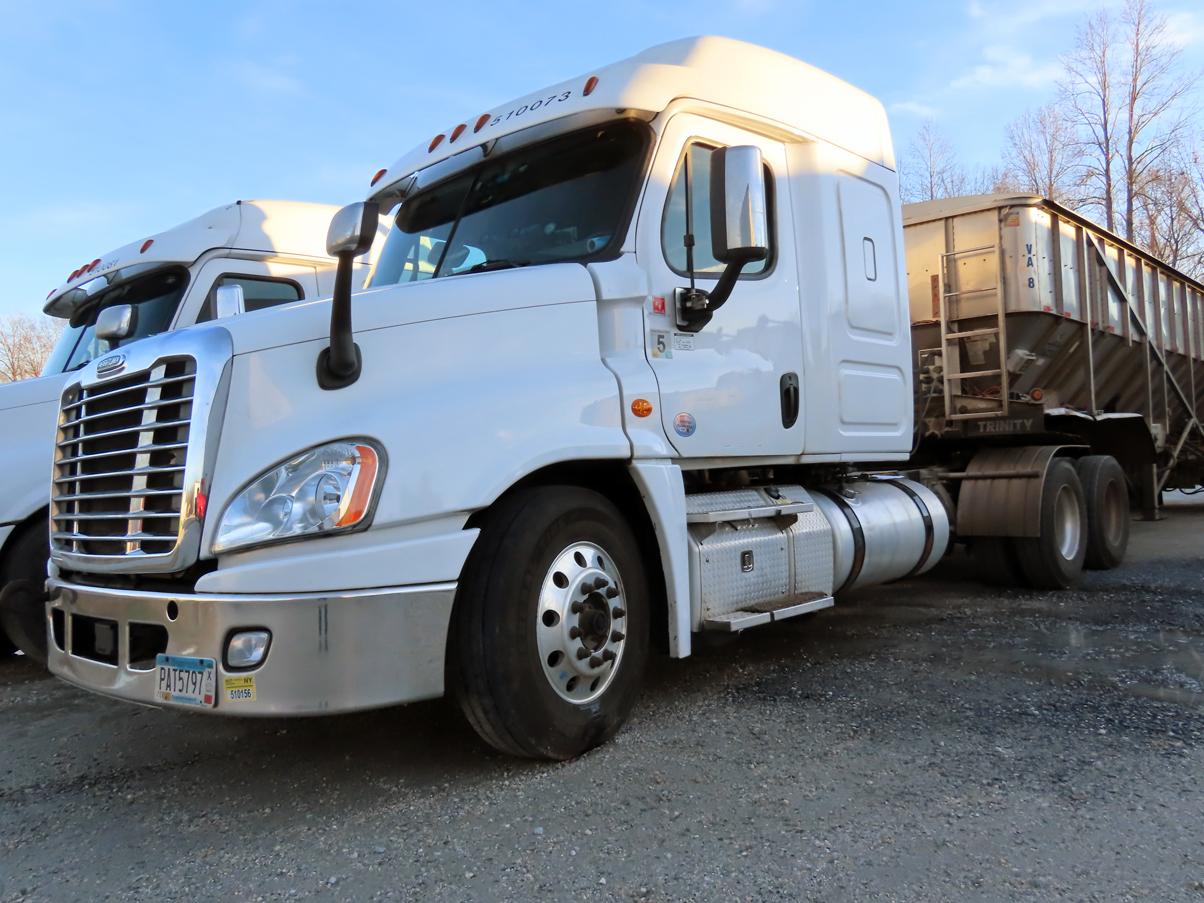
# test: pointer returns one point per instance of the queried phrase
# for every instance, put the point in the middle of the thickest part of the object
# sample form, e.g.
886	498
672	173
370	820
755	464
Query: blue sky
122	118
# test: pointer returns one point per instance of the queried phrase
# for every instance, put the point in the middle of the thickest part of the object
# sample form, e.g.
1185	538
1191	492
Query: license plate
186	681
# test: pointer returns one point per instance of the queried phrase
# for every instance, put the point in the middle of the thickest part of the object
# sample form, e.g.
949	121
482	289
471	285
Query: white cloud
1007	67
1183	29
915	108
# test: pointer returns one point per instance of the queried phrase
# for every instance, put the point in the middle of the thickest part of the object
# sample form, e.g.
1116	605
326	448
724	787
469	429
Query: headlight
328	489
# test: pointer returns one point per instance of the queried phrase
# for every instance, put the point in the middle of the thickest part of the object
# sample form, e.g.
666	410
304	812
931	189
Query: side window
694	170
258	292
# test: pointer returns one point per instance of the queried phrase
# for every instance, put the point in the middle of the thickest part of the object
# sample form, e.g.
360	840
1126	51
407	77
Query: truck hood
415	302
32	391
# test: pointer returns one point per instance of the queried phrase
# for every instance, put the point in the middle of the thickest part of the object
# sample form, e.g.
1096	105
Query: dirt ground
929	740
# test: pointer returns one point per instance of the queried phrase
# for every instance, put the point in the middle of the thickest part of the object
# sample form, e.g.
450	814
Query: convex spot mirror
353	229
117	322
739	222
229	301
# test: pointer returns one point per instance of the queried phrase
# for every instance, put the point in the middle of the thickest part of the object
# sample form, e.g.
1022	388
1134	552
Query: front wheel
550	633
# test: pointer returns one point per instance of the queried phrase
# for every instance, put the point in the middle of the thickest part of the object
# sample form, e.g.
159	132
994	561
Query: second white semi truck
635	363
257	254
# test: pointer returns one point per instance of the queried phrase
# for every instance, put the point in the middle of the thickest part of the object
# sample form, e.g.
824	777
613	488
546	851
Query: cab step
767	612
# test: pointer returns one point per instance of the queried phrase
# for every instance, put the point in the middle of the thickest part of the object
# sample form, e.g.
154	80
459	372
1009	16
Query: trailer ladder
960	405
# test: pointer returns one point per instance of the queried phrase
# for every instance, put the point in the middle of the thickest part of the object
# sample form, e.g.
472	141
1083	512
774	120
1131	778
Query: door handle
790	398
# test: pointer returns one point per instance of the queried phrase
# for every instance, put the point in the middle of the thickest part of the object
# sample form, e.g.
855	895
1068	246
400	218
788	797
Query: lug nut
600	582
611	592
617	612
576	607
608	655
582	653
595	661
587	586
617	636
574	632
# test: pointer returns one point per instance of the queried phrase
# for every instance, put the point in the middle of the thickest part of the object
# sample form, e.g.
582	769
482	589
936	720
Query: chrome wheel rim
581	622
1068	525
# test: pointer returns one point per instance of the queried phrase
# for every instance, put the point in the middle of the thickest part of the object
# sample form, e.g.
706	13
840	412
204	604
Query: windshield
565	199
155	298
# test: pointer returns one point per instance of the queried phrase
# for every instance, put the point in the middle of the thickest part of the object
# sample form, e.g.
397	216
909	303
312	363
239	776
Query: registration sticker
240	688
183	680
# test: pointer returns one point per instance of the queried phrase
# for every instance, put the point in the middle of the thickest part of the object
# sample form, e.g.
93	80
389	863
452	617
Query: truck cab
272	251
611	383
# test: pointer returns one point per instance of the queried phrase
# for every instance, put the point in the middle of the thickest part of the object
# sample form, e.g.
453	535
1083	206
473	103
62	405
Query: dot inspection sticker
239	688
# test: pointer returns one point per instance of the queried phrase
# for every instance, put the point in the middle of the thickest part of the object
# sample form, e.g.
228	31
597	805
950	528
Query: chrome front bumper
329	652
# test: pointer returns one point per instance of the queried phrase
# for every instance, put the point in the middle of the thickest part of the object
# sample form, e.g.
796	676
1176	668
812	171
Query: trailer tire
555	569
22	597
996	561
1054	559
1108	517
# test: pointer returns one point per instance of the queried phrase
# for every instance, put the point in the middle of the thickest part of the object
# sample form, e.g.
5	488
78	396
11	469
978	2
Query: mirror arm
339	364
723	288
695	306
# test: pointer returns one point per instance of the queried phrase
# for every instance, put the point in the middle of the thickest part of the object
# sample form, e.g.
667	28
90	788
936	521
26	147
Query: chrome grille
119	462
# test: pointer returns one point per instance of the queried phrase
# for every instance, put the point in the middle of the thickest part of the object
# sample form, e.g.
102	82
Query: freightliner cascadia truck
243	256
634	363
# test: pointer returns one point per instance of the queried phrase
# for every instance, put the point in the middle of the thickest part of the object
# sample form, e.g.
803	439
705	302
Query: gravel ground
931	740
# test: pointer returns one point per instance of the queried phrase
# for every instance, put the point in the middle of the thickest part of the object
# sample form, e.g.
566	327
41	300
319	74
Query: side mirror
117	322
739	230
739	222
352	231
228	301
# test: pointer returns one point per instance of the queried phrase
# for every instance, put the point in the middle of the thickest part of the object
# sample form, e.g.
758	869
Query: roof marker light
481	120
146	246
434	142
74	274
590	84
94	264
458	131
380	174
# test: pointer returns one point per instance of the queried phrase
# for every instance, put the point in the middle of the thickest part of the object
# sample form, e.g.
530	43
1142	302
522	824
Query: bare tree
1125	93
25	343
930	168
1154	120
1169	212
1041	155
1090	98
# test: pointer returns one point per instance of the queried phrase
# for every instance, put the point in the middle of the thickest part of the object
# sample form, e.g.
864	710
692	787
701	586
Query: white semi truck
635	363
256	254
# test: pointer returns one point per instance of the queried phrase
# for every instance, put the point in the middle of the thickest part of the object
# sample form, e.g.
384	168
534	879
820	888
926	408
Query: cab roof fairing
715	70
296	228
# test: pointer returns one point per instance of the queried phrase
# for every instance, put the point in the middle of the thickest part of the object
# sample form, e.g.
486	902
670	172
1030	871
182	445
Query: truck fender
1001	490
664	493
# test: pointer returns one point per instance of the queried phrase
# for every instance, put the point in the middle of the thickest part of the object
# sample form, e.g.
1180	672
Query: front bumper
330	652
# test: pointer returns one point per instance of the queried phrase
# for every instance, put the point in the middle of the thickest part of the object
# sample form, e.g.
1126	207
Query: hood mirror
228	301
117	322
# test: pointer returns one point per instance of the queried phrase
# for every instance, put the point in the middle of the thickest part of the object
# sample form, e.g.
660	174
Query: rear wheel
551	630
22	590
1054	559
1107	493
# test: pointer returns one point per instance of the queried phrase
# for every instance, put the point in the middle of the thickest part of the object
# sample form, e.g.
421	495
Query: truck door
264	284
733	387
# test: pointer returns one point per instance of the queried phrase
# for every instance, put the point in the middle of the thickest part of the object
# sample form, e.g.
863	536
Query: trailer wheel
551	629
1054	560
22	598
996	561
1107	494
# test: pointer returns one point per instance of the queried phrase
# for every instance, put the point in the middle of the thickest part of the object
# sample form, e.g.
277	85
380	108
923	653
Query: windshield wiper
500	264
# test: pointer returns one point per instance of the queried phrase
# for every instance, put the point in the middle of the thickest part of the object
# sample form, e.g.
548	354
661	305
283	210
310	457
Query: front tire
1054	559
22	594
550	633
